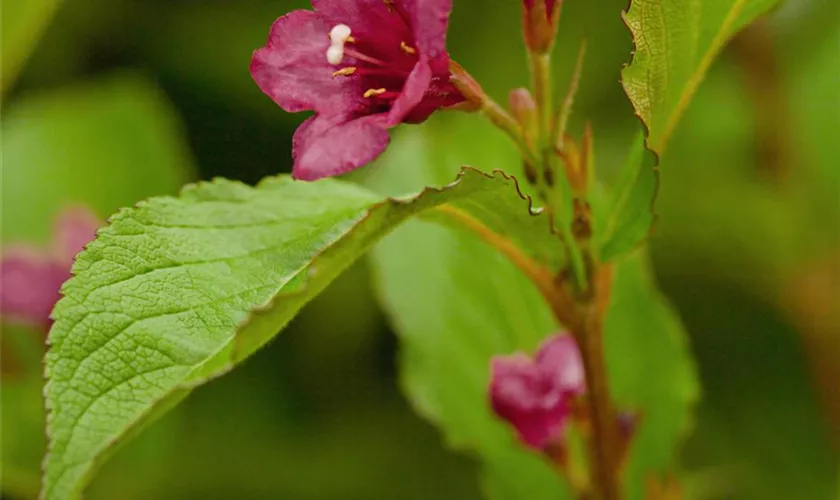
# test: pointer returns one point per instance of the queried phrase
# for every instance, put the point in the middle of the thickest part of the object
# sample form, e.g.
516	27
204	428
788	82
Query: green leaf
106	143
179	290
22	410
650	370
676	42
630	209
456	302
103	144
23	21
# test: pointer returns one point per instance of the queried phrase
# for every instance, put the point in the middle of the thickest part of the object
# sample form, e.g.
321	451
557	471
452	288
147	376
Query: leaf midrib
696	78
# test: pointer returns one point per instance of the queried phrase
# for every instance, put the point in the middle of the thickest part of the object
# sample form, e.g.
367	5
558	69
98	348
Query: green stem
578	263
541	80
508	125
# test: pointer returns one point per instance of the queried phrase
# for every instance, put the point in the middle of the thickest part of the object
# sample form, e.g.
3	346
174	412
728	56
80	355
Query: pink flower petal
372	22
74	228
534	396
559	359
293	70
394	69
324	147
429	21
412	93
30	280
519	395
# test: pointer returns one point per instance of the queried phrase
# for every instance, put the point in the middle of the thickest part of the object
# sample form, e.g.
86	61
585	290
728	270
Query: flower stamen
335	54
362	57
349	70
408	49
373	92
390	71
339	35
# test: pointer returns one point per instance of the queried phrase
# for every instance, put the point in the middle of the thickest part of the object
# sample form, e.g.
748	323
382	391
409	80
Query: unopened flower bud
466	84
539	24
535	394
524	109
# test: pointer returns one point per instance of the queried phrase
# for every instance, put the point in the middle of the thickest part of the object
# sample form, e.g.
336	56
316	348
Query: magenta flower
363	66
535	395
30	276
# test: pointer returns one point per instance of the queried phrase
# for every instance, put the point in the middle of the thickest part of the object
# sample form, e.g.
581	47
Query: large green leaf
179	290
23	21
676	42
456	302
650	369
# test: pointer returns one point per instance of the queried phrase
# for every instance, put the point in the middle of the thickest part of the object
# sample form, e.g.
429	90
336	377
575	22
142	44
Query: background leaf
106	143
102	144
177	291
676	42
23	21
455	303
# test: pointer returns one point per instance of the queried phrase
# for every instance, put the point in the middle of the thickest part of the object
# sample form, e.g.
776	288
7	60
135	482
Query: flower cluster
363	66
30	276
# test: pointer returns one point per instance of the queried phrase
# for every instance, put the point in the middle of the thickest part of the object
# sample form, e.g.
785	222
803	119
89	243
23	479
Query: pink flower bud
523	107
534	395
539	23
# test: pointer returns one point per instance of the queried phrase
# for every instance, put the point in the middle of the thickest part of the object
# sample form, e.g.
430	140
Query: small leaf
456	302
179	290
676	42
630	209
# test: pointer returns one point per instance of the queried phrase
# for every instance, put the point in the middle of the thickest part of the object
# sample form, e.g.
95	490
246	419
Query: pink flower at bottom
30	276
363	66
535	395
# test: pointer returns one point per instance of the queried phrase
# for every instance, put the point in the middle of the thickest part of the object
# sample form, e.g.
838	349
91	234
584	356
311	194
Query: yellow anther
373	92
349	70
407	48
389	4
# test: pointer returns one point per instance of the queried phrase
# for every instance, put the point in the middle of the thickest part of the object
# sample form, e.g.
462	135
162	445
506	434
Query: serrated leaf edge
141	419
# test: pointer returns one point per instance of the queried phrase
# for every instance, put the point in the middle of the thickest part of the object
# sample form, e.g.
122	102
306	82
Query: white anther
339	34
335	54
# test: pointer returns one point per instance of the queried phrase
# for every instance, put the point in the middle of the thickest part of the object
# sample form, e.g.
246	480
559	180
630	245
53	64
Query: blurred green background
106	102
